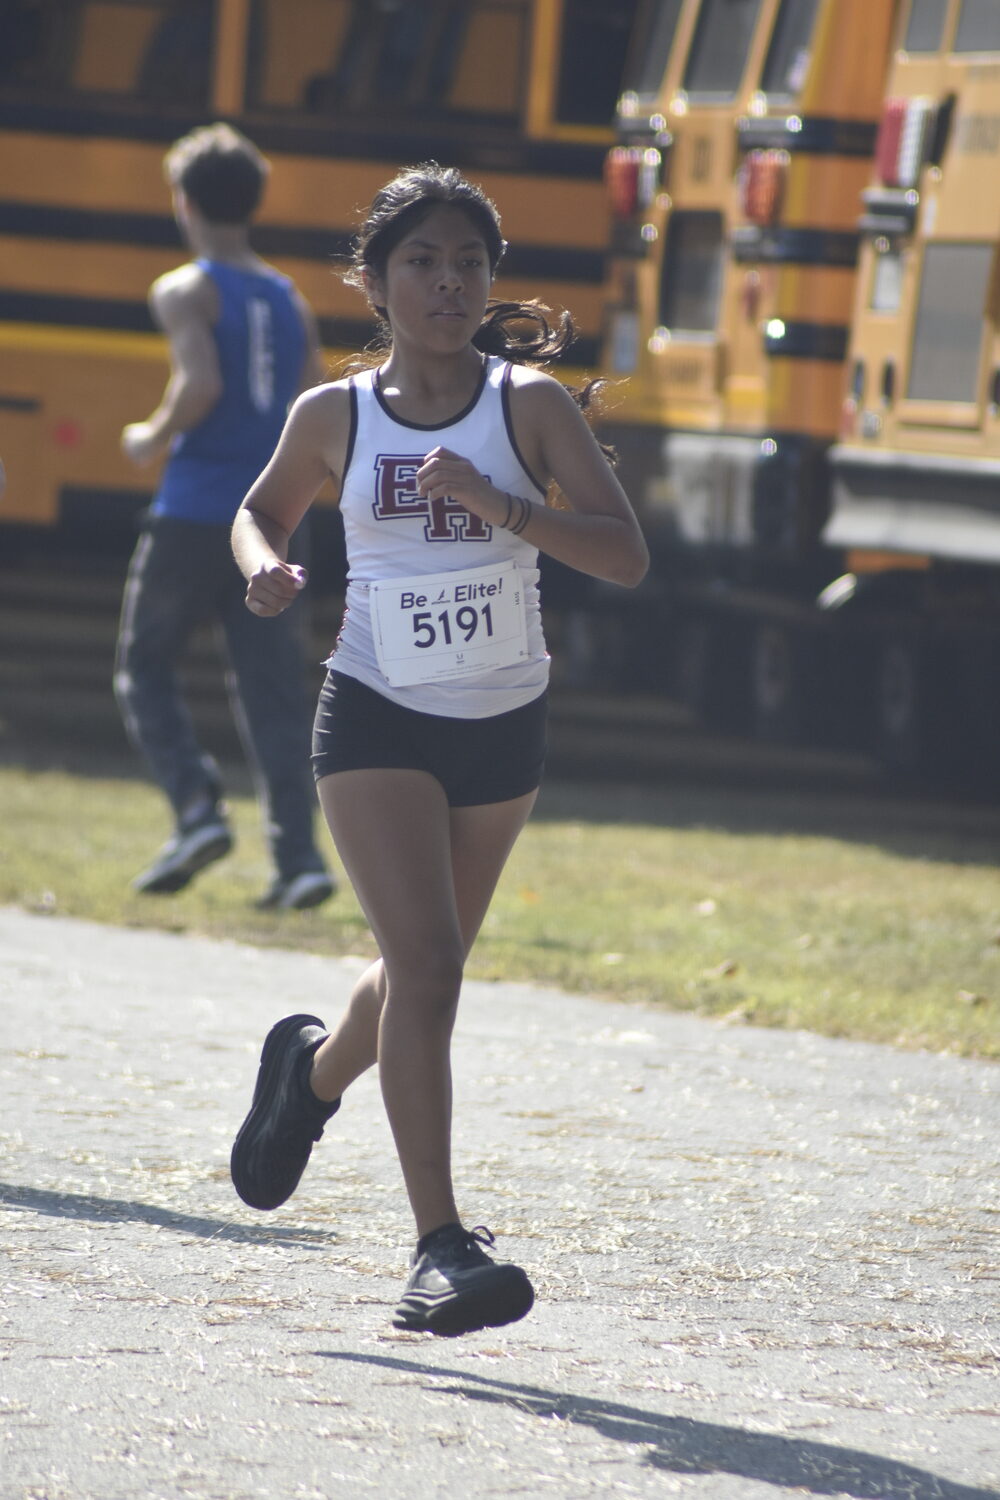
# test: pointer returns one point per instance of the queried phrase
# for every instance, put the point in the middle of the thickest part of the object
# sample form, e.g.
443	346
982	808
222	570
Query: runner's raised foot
286	1119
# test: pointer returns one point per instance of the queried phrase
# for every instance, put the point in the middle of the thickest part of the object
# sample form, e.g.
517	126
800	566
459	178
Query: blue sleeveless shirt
261	343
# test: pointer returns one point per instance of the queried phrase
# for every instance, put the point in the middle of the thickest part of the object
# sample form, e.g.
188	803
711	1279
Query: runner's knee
431	985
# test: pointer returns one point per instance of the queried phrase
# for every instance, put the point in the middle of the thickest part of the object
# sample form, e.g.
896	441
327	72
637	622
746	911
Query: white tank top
392	531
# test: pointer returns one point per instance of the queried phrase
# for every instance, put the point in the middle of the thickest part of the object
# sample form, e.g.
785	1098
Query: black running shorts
476	760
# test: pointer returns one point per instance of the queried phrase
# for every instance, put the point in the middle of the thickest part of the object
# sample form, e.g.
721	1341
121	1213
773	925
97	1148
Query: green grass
872	921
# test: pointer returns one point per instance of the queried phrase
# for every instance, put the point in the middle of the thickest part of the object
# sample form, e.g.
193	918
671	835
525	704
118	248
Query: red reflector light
762	185
904	133
890	133
67	434
621	175
632	175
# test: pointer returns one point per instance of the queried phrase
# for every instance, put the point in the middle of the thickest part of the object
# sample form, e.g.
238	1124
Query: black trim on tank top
352	431
428	426
508	422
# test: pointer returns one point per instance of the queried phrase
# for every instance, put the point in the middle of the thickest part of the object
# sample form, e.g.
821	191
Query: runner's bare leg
424	875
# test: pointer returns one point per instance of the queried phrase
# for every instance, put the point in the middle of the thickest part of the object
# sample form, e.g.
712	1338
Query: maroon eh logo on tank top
397	498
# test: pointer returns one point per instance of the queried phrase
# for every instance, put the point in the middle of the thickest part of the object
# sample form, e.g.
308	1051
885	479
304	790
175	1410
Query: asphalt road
766	1263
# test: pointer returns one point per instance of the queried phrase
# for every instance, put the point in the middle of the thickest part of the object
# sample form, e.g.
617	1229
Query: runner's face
437	282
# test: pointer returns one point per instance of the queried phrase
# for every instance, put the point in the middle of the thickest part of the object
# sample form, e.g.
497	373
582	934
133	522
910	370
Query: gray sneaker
297	892
182	856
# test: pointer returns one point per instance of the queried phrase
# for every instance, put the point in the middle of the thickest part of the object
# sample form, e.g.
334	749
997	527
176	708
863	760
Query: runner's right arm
312	448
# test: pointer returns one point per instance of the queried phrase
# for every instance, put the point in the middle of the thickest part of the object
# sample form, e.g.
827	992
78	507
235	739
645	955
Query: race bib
446	625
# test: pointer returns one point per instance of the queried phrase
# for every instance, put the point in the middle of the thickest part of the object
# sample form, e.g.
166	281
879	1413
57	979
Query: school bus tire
779	684
710	671
916	733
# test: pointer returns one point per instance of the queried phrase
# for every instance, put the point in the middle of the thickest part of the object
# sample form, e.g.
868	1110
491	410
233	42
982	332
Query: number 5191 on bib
448	625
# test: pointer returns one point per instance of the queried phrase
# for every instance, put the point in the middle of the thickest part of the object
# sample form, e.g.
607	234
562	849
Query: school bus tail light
633	176
905	132
762	185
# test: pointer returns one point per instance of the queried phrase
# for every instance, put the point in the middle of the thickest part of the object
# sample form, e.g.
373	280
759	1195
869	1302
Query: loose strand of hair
525	333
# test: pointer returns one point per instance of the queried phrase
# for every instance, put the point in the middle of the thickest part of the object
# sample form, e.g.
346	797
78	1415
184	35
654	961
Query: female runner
429	739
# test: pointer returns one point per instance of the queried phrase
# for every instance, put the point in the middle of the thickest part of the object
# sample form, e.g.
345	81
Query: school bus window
788	55
594	45
978	27
39	45
652	39
314	54
692	272
887	282
947	342
366	59
925	26
176	61
720	48
155	51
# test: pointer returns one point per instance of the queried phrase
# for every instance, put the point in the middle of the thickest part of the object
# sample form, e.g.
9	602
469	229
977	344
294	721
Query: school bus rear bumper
915	503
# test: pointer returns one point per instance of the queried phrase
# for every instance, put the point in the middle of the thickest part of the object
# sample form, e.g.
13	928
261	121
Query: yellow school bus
916	473
746	132
339	94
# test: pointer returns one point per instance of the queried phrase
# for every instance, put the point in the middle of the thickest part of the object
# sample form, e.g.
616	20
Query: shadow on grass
942	830
14	1198
948	832
682	1445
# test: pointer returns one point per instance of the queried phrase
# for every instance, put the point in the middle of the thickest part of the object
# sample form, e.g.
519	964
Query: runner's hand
273	587
444	474
142	444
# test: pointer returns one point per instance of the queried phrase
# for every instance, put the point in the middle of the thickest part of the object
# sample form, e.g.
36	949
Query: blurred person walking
243	344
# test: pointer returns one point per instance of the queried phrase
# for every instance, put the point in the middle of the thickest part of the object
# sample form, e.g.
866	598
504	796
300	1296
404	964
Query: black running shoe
274	1142
455	1288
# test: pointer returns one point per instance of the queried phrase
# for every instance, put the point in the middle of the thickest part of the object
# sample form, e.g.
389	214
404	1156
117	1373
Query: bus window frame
922	411
223	96
231	74
779	100
645	27
544	50
366	117
966	52
947	30
760	37
229	80
679	333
